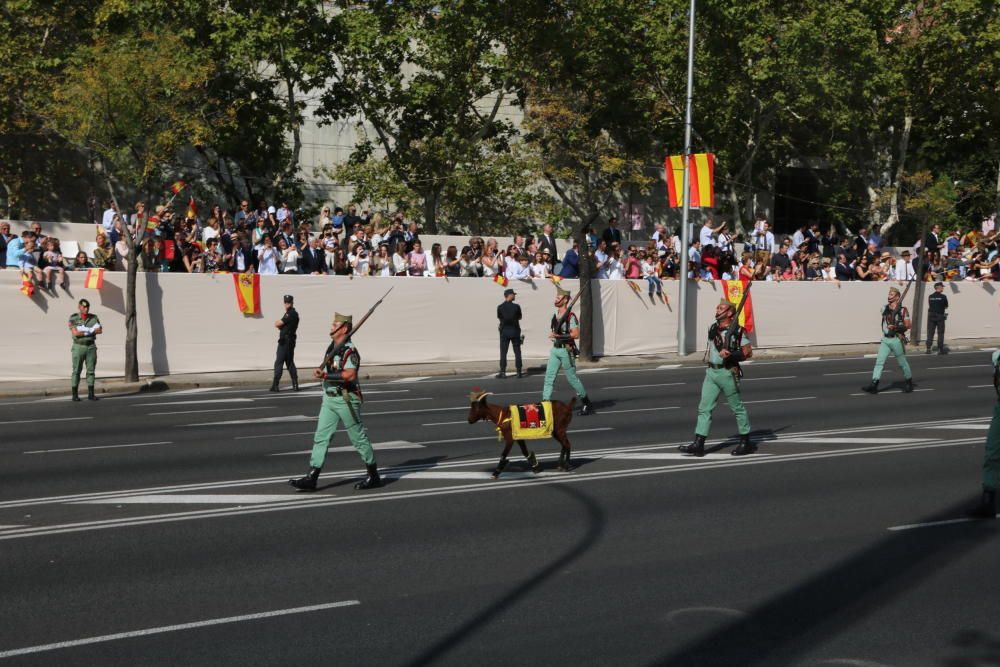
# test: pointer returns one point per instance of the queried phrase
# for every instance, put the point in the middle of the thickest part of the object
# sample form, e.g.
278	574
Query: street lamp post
685	234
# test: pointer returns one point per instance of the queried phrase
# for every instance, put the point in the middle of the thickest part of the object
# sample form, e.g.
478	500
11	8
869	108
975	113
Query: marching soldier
895	324
341	403
728	345
937	304
288	327
509	314
987	508
85	327
565	331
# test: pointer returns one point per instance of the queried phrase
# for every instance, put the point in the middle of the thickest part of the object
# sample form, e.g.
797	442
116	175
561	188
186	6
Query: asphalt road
158	529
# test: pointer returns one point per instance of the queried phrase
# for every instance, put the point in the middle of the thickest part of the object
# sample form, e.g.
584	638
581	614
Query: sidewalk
262	378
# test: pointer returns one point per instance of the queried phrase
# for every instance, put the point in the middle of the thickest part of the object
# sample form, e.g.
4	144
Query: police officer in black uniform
288	327
509	314
937	304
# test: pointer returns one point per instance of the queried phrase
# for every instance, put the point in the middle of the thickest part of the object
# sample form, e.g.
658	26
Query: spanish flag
27	287
556	279
500	280
192	211
247	292
94	279
733	290
177	186
152	223
701	174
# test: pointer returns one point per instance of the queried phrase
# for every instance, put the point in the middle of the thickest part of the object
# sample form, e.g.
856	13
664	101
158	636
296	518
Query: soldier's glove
737	356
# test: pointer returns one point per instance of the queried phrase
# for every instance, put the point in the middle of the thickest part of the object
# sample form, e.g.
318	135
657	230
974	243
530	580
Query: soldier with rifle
987	507
342	401
565	331
895	324
728	345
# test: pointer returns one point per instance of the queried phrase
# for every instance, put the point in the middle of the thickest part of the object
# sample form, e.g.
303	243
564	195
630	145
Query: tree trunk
131	329
734	203
904	141
295	127
586	293
430	211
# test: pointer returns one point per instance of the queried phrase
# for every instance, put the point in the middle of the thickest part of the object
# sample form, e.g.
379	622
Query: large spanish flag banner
94	279
702	174
27	286
247	292
733	289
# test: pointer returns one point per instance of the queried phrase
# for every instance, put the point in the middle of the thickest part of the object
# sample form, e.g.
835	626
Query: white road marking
43	421
945	368
871	356
962	427
980	386
182	499
885	372
406	412
779	377
81	449
673	456
888	391
260	420
642	386
618	412
197	390
985	349
446	423
666	367
781	400
174	628
413	379
15	525
423	442
592	370
809	359
385	496
470	474
852	441
929	524
164	404
196	412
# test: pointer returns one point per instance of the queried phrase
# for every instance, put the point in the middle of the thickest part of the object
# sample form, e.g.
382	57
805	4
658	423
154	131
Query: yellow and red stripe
733	291
94	279
701	173
500	280
247	292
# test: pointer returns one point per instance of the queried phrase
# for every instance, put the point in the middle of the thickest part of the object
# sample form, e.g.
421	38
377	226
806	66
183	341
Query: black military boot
745	447
908	387
587	408
928	350
871	388
372	481
697	447
90	394
520	373
295	385
76	394
987	508
501	375
307	483
273	387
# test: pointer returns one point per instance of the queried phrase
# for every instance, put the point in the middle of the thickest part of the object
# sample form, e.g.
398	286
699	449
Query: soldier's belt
717	367
338	389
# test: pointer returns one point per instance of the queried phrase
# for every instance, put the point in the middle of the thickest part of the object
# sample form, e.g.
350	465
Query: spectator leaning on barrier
5	238
570	265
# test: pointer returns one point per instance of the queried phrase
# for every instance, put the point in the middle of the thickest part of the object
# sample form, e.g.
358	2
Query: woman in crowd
491	259
259	232
341	265
148	259
746	267
416	260
813	272
615	265
360	260
633	266
400	263
476	246
267	257
289	256
539	267
471	265
452	263
863	271
377	230
104	257
324	218
192	257
302	239
436	263
211	229
81	262
828	272
381	265
121	254
592	237
710	263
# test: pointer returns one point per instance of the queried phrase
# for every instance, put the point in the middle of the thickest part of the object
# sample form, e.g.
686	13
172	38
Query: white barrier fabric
189	323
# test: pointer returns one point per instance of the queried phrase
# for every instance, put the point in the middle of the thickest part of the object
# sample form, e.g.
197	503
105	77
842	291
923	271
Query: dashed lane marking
963	427
929	524
781	400
674	456
259	420
196	412
164	404
81	449
197	390
667	367
643	386
413	379
583	371
190	499
871	356
44	421
888	391
945	368
778	377
853	441
809	359
175	628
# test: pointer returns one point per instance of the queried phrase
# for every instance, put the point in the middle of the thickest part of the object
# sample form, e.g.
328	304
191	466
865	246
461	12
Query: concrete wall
190	323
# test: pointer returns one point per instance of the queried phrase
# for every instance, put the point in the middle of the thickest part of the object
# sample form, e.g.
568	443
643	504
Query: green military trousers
336	409
81	353
898	350
991	462
561	357
720	381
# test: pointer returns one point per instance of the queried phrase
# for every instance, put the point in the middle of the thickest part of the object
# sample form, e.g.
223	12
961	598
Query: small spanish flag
701	172
27	286
178	186
94	279
247	292
556	279
192	211
500	280
733	290
152	223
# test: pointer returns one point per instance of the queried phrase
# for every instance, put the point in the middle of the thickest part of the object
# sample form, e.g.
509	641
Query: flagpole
685	234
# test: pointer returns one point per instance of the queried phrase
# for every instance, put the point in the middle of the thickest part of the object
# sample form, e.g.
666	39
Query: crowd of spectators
270	240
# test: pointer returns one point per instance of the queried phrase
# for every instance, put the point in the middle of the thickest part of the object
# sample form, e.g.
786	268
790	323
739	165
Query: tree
134	103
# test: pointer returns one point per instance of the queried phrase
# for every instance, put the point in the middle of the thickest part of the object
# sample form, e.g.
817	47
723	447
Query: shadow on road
594	521
781	629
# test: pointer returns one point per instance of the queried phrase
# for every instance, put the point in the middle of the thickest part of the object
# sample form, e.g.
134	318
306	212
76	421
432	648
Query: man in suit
933	240
509	314
314	258
548	242
612	234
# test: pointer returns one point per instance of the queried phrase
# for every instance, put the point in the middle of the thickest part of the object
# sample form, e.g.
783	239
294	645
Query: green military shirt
348	358
91	322
571	323
713	354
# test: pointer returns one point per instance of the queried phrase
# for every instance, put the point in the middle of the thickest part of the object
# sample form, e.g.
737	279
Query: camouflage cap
342	319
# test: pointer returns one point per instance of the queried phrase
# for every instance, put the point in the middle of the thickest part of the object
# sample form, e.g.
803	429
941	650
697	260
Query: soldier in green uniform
727	347
565	331
987	508
84	327
895	324
341	403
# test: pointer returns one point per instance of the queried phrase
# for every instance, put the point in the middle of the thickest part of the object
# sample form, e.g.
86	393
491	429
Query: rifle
902	334
561	322
338	349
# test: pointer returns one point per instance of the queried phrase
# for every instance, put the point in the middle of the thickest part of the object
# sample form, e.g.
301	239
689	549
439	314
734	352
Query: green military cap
342	319
560	293
727	302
